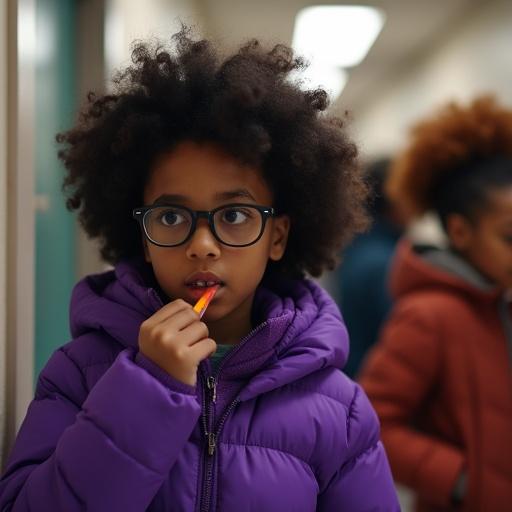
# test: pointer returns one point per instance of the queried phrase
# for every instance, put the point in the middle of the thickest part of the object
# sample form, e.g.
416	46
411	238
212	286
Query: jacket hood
417	267
298	328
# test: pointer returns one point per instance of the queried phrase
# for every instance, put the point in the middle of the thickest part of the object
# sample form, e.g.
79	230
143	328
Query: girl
440	378
236	180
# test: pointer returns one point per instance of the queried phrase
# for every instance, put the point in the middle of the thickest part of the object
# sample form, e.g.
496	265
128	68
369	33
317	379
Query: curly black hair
249	105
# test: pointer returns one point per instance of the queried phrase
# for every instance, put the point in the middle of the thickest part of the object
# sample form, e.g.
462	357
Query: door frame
20	226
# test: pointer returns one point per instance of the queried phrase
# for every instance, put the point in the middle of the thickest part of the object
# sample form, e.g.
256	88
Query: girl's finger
167	311
194	333
203	349
180	320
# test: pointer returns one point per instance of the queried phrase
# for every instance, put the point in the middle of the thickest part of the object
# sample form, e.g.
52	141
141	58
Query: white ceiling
413	28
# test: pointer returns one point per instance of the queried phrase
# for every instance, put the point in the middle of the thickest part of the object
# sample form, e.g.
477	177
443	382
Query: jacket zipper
211	441
208	420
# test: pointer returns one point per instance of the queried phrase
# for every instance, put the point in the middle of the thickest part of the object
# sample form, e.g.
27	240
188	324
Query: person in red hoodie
440	375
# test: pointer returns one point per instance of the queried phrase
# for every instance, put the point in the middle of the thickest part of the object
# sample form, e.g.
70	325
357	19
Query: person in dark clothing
363	294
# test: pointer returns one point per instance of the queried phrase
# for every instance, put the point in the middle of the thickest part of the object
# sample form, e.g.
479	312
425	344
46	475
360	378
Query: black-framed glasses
236	225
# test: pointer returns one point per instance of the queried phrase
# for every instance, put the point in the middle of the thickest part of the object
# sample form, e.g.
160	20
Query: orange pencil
205	299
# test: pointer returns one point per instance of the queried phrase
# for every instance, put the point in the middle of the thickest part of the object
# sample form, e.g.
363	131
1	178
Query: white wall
473	58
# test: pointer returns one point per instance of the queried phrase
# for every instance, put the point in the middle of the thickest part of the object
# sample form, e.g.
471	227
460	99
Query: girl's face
204	177
487	242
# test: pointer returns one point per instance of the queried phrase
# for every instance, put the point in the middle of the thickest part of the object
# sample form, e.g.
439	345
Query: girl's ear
279	237
460	231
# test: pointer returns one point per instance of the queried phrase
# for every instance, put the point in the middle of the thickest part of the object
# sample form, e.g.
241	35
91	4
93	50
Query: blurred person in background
440	376
363	275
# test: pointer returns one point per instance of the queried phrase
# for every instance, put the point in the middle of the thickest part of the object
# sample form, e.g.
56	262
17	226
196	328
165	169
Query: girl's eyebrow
234	194
170	198
221	196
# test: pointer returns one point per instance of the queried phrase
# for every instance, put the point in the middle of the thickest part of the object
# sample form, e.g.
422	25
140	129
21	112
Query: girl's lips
196	293
203	277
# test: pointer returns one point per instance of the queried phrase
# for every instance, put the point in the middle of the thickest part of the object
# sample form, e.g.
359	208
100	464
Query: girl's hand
175	339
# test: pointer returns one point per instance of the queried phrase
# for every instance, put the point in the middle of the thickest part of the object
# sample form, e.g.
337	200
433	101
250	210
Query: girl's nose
203	244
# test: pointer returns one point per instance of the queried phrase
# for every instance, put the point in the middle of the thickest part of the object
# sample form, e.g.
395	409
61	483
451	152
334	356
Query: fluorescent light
336	35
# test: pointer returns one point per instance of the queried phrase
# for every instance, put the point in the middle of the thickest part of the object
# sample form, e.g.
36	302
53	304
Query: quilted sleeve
108	450
363	482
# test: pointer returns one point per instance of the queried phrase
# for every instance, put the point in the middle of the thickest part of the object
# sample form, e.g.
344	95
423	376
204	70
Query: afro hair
250	105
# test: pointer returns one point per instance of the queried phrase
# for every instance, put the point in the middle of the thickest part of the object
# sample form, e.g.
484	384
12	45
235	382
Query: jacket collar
298	327
417	267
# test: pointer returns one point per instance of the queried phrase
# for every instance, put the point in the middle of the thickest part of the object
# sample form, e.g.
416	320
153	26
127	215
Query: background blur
53	51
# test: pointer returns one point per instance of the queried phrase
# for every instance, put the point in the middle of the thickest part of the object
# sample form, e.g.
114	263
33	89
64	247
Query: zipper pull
211	443
212	386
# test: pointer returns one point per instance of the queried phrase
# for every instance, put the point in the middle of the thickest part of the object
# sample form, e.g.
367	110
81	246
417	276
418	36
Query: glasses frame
139	214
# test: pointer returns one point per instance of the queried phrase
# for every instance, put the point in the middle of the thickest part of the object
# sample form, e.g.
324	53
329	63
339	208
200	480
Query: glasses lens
238	225
167	225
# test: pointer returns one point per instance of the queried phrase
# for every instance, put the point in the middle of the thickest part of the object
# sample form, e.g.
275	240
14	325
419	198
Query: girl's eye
233	216
172	218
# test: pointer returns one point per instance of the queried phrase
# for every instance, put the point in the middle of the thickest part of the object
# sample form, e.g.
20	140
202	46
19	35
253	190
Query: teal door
55	226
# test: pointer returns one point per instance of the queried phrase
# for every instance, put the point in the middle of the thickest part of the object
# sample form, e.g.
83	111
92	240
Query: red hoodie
440	380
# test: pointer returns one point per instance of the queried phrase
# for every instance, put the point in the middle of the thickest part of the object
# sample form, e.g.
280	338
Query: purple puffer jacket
280	429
